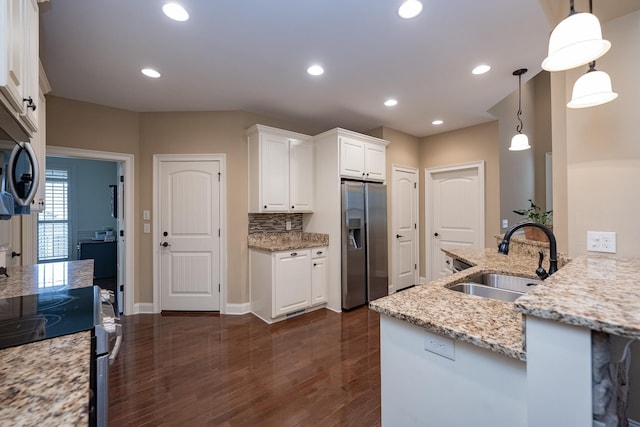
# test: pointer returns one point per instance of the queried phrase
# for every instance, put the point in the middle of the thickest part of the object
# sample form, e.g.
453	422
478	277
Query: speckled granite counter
598	292
273	242
38	278
484	322
46	383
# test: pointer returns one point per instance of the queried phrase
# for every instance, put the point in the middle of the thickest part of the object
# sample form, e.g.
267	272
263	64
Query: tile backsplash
274	222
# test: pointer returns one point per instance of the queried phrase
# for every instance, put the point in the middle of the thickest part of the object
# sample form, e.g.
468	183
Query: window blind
53	222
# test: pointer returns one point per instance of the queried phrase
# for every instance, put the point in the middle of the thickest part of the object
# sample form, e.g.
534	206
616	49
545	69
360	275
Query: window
53	222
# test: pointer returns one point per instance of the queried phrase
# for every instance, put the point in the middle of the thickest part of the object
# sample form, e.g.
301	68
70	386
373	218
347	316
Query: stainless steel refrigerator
364	243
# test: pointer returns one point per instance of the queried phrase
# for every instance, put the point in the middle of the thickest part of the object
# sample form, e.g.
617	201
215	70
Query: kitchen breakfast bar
501	363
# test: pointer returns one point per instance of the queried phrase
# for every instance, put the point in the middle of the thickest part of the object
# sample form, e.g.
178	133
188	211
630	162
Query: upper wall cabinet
281	170
19	60
362	157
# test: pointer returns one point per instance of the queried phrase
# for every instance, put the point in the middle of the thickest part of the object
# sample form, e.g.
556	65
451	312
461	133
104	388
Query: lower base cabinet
287	282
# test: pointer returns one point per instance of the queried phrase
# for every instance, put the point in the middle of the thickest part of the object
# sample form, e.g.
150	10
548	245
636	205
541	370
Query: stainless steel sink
486	291
503	281
496	286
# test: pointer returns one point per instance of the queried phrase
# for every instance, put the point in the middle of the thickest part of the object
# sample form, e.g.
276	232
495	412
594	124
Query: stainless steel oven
106	342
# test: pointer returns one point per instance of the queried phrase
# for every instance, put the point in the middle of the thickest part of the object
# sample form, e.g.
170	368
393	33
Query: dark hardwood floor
319	369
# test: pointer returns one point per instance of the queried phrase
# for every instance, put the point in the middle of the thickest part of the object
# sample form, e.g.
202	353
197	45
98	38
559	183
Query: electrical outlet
505	223
288	225
439	345
601	241
146	228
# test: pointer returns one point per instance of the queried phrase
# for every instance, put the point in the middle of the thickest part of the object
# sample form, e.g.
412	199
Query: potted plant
534	213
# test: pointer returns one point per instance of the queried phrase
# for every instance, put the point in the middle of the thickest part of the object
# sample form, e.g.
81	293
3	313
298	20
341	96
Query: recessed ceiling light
437	122
175	12
150	72
315	70
390	102
481	69
410	9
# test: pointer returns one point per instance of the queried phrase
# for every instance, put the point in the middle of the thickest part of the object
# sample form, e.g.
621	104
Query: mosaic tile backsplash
274	222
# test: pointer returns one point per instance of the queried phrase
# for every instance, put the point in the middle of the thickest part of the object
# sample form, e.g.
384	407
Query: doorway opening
89	197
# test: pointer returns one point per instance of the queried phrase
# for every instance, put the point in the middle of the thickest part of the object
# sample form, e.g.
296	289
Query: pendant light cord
519	113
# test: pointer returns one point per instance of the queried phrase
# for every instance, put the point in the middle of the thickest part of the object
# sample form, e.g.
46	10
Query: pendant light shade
520	141
593	88
575	41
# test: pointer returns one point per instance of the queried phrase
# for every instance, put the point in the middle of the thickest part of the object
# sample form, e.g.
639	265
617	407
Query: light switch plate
505	223
601	241
146	215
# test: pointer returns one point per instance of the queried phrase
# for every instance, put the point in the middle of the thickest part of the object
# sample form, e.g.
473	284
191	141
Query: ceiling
252	55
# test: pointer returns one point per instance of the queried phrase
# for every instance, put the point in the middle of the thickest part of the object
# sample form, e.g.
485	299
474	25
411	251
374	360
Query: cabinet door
274	174
319	277
292	286
301	187
39	143
352	158
375	162
12	46
31	63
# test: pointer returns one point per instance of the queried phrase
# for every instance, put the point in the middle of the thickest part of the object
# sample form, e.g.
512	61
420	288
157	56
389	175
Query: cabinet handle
294	253
362	173
367	173
265	206
314	264
293	207
30	103
15	254
319	253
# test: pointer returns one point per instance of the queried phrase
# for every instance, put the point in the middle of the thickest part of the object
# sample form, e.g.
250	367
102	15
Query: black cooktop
31	318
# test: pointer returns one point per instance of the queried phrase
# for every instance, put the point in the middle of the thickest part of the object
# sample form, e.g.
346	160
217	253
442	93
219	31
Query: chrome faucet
503	248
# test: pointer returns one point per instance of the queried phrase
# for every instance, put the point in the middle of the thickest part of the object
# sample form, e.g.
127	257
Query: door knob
436	235
398	236
164	244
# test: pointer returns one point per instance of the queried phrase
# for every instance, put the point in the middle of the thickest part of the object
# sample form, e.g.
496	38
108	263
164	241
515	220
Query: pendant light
592	88
575	41
520	141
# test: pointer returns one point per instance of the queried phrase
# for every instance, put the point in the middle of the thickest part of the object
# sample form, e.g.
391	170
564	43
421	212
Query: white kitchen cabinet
362	159
281	170
286	282
292	280
19	60
319	275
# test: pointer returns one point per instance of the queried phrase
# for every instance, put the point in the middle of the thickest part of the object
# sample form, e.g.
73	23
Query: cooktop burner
30	318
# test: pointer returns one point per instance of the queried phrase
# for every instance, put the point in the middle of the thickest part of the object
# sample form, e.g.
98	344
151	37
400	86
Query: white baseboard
143	308
238	309
633	423
423	280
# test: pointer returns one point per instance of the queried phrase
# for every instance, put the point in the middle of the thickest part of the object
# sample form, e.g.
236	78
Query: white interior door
405	227
189	226
121	241
455	213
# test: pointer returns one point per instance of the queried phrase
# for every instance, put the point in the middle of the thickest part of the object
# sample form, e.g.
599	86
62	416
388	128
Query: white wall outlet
601	241
288	225
147	228
440	345
146	215
505	223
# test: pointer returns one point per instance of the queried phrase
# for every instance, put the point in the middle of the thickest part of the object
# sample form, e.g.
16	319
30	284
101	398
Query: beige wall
88	126
466	145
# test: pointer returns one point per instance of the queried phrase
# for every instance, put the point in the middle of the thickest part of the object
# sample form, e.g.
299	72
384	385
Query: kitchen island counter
46	383
484	322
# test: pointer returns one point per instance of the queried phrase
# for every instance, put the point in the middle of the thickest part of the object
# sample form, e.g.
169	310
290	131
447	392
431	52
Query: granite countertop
46	382
273	242
599	292
487	323
38	278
